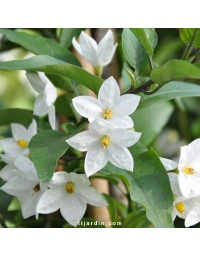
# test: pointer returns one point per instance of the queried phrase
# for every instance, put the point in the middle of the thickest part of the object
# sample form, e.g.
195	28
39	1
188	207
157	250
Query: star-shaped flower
44	103
18	145
109	105
103	142
25	186
71	193
98	55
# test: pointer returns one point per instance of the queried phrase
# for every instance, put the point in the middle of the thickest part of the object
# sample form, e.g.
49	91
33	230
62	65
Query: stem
150	62
142	88
98	70
187	53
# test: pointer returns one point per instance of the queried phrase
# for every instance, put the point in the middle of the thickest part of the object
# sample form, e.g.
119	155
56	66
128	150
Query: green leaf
67	35
61	82
15	115
112	208
57	67
40	45
170	91
133	50
154	118
174	70
5	200
46	148
187	35
149	186
147	37
137	220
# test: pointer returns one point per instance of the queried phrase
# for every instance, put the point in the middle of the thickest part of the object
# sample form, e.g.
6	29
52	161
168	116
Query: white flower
7	172
18	145
26	186
98	55
103	142
168	164
47	96
193	217
189	168
71	193
109	105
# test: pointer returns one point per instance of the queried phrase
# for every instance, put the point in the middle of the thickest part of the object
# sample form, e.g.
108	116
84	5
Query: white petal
77	46
105	49
121	122
7	172
125	138
25	165
73	209
19	132
8	159
89	49
96	158
127	105
91	196
168	164
100	127
10	147
36	82
109	93
120	157
83	140
43	77
193	217
78	179
111	54
32	130
50	94
185	190
52	117
87	106
194	184
59	178
51	200
40	107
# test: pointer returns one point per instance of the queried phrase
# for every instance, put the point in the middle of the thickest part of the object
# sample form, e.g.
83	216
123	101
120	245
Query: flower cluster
186	184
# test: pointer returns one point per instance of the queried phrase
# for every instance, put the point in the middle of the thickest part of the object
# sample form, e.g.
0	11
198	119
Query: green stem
150	62
187	53
98	70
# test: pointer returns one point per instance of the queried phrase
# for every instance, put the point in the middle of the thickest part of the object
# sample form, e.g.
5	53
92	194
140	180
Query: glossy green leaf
154	118
46	148
174	70
133	50
149	186
147	37
67	34
16	115
137	220
190	35
40	45
170	91
57	67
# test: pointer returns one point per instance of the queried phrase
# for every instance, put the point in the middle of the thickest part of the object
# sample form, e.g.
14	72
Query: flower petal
185	189
51	200
193	217
124	138
40	107
8	159
127	105
7	172
52	117
121	122
91	196
120	157
168	164
77	46
10	147
19	132
105	49
100	127
59	178
26	166
89	49
50	94
32	129
87	106
83	140
73	209
78	179
109	93
96	158
36	82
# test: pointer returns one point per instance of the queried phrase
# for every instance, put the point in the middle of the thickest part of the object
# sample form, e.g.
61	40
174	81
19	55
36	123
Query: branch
142	88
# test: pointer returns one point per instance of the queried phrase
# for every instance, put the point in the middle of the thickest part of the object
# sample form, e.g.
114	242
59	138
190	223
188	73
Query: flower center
36	189
69	188
181	208
105	141
22	143
188	170
107	113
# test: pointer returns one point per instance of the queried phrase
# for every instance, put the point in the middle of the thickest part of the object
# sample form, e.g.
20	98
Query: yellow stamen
22	143
181	208
107	113
188	170
105	141
69	188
